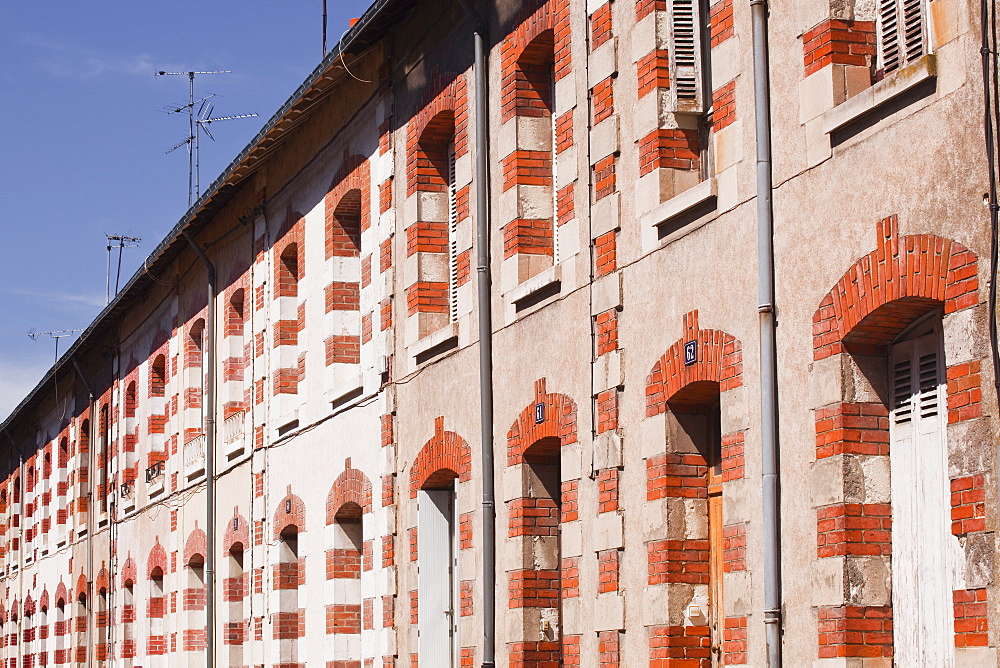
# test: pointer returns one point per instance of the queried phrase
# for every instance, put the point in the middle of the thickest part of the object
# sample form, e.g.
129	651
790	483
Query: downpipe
209	400
91	472
770	459
484	293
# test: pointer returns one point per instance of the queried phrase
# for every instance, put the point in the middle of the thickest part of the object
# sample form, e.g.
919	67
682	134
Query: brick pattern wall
837	41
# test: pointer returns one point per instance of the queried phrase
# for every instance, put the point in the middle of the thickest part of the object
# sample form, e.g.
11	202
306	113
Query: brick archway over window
354	174
237	532
902	278
558	420
718	359
81	585
197	544
129	571
157	559
446	97
445	456
351	486
103	580
61	593
291	512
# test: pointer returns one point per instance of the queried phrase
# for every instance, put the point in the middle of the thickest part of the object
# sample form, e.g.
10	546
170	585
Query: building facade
333	373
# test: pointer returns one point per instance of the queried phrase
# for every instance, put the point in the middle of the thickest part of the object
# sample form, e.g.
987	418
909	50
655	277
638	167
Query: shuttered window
452	237
902	33
685	53
923	549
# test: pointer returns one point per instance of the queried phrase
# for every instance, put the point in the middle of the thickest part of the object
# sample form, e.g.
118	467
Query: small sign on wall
539	412
690	352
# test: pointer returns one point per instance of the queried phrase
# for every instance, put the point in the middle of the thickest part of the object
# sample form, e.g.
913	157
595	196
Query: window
901	34
158	377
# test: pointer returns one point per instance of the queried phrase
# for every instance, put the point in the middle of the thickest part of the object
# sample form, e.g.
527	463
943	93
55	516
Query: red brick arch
61	593
29	605
446	97
719	360
442	458
196	544
354	174
81	585
559	422
129	571
351	486
157	559
291	512
43	601
238	534
103	580
885	290
14	608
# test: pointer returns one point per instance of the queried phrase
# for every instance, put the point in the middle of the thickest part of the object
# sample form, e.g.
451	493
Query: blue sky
84	139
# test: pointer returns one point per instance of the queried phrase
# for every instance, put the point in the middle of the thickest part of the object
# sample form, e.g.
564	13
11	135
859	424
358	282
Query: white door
436	571
922	544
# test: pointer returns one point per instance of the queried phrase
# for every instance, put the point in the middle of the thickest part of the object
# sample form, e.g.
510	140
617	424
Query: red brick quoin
444	457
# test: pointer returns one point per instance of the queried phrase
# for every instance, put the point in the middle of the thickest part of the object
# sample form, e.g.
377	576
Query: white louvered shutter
685	54
902	34
436	577
452	237
923	549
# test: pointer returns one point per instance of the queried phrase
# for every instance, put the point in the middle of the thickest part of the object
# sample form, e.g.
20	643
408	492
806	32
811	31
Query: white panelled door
922	544
436	566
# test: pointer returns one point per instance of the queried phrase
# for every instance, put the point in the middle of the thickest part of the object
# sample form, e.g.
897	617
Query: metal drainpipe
485	336
768	345
91	463
209	455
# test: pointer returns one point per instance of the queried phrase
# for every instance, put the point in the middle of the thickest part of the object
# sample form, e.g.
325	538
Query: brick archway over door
873	302
446	452
882	291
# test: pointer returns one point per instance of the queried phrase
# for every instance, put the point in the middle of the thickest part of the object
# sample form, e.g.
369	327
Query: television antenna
122	242
197	123
57	334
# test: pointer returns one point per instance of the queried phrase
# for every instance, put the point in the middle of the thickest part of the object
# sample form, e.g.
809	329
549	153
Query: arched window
158	377
131	400
194	604
156	609
80	630
102	462
348	547
234	314
234	592
288	272
128	644
347	216
102	622
286	583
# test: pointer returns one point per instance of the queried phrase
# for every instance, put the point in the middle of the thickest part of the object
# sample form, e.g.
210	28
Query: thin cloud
92	300
77	62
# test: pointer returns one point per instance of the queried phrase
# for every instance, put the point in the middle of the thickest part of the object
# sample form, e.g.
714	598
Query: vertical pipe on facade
91	464
768	344
988	25
209	400
485	335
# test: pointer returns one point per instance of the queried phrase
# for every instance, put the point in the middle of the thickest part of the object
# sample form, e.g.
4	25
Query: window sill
677	211
879	94
344	392
537	289
436	343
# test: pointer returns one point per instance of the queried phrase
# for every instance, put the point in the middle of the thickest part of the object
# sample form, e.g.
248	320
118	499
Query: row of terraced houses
501	361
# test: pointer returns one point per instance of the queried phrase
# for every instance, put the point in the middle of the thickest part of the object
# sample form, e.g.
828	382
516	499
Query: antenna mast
123	242
57	334
196	124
